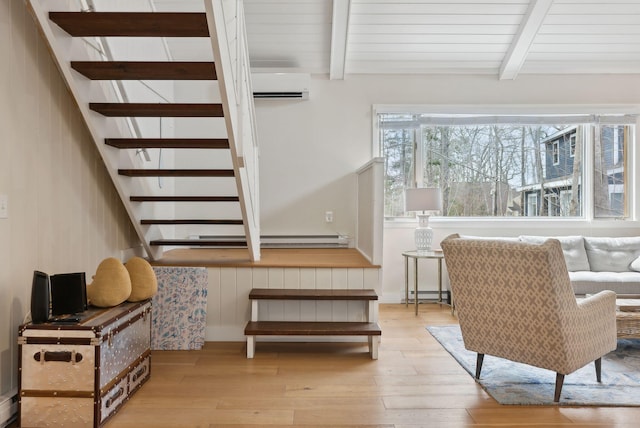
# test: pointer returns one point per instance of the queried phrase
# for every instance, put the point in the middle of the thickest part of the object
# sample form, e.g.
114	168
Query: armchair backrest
513	299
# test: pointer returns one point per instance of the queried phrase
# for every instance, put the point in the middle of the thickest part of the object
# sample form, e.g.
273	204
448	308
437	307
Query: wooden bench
370	328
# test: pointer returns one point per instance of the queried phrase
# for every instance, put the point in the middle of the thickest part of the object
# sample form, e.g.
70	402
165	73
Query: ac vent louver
278	86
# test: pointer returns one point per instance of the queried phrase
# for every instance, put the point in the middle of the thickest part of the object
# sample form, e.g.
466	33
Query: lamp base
424	239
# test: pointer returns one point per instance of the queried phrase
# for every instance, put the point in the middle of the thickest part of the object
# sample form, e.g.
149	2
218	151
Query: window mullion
418	150
587	171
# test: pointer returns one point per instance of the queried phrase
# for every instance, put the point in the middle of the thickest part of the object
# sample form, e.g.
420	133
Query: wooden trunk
80	374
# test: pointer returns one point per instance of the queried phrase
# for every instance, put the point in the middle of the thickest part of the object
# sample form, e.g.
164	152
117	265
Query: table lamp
427	199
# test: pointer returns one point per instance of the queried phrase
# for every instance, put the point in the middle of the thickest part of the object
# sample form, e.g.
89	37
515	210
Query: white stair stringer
239	120
237	101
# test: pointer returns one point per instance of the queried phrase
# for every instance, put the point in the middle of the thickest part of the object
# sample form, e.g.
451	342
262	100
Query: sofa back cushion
573	249
612	254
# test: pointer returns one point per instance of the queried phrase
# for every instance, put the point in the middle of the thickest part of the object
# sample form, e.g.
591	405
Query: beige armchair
514	301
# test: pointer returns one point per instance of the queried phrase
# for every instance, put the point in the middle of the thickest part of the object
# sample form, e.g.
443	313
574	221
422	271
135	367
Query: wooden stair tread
132	24
158	109
311	294
156	24
168	143
145	70
176	172
192	221
312	328
184	198
198	243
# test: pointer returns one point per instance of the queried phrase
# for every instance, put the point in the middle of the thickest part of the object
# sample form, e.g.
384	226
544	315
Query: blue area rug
520	384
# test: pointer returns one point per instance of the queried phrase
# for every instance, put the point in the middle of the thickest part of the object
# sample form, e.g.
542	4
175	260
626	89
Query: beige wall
64	214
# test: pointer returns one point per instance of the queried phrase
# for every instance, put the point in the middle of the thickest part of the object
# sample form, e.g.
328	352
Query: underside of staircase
206	195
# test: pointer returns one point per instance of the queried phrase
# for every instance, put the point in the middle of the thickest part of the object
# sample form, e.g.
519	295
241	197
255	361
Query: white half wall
229	307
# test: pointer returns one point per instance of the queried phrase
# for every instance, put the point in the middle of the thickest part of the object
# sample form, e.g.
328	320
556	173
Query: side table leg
415	283
406	281
439	280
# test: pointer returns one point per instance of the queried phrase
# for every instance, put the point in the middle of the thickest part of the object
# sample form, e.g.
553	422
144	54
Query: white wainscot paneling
229	309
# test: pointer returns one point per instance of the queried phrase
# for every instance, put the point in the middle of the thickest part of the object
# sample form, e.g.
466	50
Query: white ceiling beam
339	34
528	30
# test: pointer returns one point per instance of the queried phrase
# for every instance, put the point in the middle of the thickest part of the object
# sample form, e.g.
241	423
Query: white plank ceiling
504	38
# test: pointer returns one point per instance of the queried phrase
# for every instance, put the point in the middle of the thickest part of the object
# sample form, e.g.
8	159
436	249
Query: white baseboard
131	252
422	294
8	408
391	298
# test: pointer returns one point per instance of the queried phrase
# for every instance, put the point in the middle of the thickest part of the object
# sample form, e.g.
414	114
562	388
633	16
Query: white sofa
597	264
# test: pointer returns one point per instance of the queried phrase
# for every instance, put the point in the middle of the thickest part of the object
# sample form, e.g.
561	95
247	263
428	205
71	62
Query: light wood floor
414	383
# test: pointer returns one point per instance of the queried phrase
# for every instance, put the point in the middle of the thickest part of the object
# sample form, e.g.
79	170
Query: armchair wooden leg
598	364
479	365
559	382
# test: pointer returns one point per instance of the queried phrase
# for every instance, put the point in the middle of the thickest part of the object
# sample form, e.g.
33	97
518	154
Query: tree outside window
503	169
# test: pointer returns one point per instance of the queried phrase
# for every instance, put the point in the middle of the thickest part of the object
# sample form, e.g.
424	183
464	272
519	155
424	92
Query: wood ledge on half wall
270	257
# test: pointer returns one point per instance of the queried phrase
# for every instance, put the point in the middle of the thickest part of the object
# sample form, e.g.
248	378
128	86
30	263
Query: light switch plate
4	206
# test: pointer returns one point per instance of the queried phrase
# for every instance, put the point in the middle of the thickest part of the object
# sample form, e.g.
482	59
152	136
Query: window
572	145
555	152
609	171
525	166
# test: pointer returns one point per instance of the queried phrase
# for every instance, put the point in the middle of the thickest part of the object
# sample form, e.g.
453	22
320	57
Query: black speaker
40	297
68	293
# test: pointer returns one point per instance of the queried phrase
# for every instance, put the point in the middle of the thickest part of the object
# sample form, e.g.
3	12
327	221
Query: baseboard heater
8	408
429	296
286	241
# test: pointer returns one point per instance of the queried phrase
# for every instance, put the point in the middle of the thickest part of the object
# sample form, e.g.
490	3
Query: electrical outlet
4	206
328	216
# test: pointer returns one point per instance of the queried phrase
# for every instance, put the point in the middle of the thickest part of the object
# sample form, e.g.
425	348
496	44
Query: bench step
371	329
311	294
302	328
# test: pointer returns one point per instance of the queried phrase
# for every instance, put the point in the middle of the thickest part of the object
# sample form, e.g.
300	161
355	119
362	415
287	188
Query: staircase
177	136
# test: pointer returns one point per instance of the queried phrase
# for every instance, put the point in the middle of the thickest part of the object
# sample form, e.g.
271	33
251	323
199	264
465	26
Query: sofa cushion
635	265
587	282
575	255
612	254
491	238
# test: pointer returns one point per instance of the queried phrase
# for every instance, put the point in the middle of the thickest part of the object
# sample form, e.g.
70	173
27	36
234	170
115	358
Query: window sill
515	223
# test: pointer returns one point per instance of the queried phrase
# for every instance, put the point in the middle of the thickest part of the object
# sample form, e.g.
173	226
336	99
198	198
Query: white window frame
587	218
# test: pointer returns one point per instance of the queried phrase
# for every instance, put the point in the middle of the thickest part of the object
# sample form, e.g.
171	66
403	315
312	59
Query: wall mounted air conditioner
281	85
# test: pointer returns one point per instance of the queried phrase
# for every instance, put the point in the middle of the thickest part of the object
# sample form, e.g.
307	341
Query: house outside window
492	167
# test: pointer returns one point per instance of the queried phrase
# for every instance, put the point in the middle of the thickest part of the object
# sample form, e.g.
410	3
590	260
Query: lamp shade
423	199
